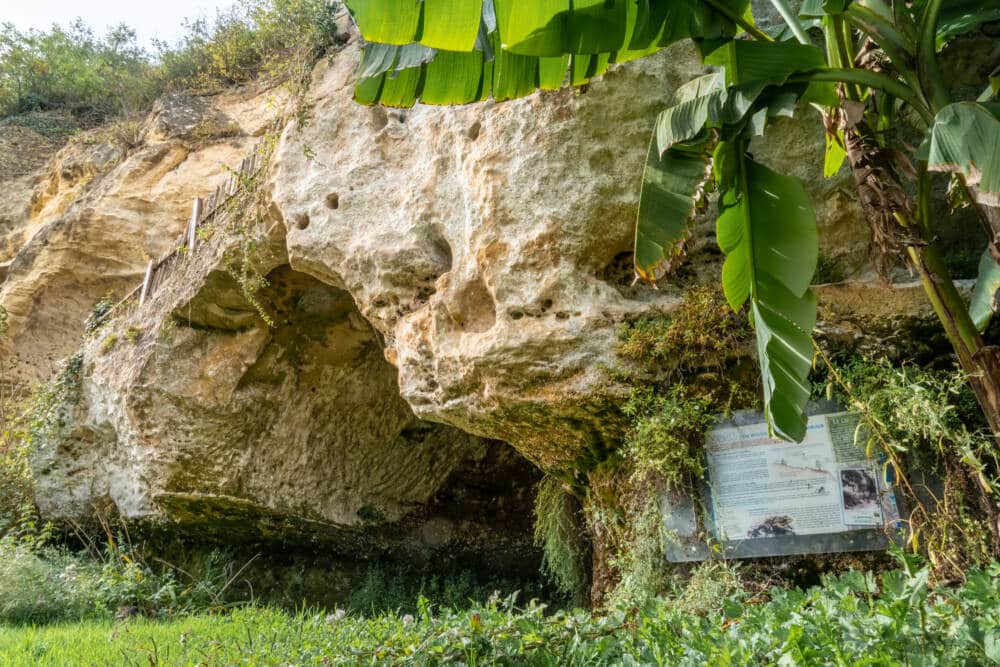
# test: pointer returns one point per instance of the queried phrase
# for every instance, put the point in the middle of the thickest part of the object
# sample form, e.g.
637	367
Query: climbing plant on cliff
878	72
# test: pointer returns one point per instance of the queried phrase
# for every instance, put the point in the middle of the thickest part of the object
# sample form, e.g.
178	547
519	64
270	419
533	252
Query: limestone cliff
444	286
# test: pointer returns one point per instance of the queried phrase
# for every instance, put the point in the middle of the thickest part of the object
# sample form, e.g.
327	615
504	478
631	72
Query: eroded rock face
195	411
84	224
490	244
477	240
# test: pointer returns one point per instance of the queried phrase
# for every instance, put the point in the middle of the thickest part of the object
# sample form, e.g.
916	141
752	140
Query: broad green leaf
400	90
986	292
451	25
388	21
532	28
376	59
671	186
812	9
514	75
453	78
769	62
552	72
835	154
597	26
961	16
965	139
556	27
547	28
700	102
767	230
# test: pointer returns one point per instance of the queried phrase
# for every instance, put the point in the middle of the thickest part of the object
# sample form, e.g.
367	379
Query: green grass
852	619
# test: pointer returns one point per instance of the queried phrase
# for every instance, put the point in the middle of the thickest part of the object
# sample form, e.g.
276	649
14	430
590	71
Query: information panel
767	497
761	487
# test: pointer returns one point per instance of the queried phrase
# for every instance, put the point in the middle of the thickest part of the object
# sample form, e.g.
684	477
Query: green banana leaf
402	75
965	139
961	16
986	292
767	230
671	186
545	28
703	101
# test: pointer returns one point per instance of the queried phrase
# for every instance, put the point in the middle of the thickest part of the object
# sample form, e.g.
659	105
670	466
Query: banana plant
868	65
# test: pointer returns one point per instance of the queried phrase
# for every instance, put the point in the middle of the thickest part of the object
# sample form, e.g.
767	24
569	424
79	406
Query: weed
702	332
927	422
668	434
96	316
109	343
397	588
133	334
127	135
558	531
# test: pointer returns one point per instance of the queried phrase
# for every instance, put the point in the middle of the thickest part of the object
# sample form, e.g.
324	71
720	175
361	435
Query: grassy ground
852	619
246	636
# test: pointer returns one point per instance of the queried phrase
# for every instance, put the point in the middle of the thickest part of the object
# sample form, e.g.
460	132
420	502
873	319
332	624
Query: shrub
71	68
702	332
668	433
42	583
250	38
397	589
927	422
99	78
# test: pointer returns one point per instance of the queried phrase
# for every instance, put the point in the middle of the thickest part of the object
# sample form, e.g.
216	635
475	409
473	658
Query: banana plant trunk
898	228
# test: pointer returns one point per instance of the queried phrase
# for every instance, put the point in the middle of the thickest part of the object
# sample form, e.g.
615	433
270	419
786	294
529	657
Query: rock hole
380	118
475	310
473	131
546	304
442	250
302	220
333	201
516	314
562	315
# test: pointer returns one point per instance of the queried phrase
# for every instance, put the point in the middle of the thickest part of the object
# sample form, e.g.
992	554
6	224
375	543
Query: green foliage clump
686	361
43	418
398	589
637	559
97	78
928	422
850	619
44	583
703	332
667	434
921	412
96	316
558	531
109	343
254	37
73	69
17	502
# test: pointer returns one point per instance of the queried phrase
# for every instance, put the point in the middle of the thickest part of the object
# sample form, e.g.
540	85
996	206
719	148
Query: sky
160	19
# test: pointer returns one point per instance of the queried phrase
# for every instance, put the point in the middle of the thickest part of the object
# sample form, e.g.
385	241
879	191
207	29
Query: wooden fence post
145	283
193	224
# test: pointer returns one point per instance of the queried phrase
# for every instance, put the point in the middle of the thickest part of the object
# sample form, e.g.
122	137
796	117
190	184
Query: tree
460	51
